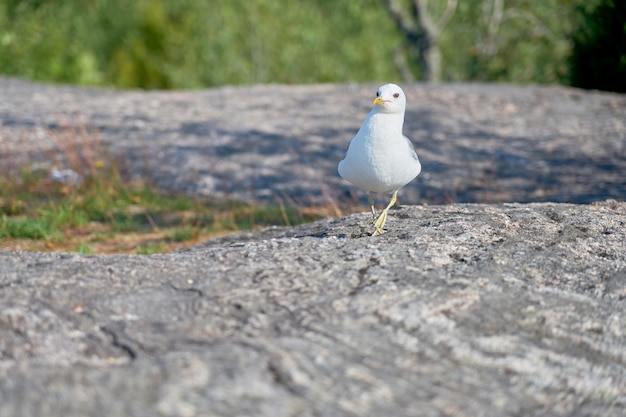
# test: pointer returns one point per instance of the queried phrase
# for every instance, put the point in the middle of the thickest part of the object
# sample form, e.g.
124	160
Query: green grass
151	247
25	228
105	214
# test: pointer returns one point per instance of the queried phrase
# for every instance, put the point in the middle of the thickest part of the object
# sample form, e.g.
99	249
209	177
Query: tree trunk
423	34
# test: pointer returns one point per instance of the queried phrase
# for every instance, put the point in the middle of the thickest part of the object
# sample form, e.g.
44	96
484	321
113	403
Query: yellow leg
382	219
370	201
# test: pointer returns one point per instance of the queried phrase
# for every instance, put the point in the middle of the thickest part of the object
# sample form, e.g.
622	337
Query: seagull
380	159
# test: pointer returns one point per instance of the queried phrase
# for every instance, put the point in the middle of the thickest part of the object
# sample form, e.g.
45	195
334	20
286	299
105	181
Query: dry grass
84	203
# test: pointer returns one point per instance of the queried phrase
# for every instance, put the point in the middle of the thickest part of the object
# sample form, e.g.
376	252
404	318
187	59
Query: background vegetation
599	53
199	43
99	211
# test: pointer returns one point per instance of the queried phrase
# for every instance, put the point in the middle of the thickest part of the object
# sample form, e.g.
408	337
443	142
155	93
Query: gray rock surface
477	142
460	310
463	310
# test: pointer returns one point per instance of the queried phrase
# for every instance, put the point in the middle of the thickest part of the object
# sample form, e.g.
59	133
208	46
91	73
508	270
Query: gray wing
348	145
411	148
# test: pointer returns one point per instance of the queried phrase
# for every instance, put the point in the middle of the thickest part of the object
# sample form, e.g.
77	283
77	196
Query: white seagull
380	158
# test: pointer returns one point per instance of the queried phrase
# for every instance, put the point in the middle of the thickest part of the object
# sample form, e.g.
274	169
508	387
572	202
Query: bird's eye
378	94
396	95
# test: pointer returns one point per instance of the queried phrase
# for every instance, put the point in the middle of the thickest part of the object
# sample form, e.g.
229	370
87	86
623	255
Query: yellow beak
379	100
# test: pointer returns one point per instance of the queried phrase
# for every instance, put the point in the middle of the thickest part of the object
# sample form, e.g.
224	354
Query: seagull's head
390	99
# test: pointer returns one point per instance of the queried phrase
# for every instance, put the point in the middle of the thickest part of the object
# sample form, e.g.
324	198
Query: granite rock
464	310
488	143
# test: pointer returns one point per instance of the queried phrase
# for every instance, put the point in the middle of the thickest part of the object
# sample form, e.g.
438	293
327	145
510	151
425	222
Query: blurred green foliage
527	42
197	43
599	54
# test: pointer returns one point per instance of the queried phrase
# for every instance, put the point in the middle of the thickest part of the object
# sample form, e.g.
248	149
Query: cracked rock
465	310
